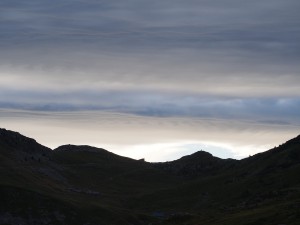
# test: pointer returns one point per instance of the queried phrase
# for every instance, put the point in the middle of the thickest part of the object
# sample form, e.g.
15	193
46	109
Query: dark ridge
69	149
198	156
284	150
16	141
88	185
284	156
292	142
196	164
79	148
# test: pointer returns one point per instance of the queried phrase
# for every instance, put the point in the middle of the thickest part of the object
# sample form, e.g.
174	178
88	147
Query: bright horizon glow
138	137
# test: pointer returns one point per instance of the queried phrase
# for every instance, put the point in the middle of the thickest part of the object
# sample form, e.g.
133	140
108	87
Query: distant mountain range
84	185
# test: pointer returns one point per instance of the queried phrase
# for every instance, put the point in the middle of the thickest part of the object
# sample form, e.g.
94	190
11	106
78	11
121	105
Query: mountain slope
82	181
200	163
262	189
87	185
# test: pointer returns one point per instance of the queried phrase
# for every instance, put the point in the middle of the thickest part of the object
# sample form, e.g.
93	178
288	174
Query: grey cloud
245	47
154	24
158	104
178	70
183	43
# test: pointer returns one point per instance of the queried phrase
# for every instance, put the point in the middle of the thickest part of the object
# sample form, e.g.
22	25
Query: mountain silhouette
91	186
200	163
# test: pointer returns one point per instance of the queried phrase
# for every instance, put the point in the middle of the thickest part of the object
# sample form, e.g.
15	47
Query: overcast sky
156	79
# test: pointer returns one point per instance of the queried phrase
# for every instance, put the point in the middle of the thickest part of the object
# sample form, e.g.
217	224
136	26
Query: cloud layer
153	60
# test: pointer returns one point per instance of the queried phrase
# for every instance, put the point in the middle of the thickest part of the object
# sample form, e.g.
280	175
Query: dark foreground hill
85	185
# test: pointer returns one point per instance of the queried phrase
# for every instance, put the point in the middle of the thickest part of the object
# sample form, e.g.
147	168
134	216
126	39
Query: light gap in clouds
130	135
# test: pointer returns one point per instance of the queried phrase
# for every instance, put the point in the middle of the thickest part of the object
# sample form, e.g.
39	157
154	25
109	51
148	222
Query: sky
152	79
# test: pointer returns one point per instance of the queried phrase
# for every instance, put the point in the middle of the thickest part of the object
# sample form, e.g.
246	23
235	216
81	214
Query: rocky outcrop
16	146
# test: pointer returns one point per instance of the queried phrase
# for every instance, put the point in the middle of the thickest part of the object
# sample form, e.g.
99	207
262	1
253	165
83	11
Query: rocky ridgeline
100	152
22	147
199	163
79	148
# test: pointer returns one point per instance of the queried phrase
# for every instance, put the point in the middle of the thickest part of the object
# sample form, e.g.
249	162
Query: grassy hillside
87	185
